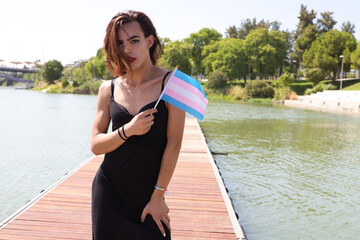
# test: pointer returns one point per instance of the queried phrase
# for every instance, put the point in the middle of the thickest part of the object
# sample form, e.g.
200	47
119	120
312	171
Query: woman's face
134	45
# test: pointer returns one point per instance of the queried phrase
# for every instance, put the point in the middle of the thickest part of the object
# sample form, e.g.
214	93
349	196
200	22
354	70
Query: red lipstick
130	59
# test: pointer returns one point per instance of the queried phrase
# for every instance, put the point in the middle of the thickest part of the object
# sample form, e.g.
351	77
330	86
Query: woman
142	150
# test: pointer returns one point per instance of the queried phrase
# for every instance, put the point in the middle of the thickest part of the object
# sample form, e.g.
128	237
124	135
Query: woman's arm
175	129
103	142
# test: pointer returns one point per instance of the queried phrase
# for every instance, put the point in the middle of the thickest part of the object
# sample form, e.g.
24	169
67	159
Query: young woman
142	150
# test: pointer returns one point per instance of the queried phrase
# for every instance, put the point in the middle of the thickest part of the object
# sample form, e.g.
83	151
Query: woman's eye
135	41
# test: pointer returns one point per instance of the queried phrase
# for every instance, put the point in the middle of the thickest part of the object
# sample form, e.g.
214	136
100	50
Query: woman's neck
140	75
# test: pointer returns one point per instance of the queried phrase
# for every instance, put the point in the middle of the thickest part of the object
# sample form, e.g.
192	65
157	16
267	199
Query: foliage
177	53
232	32
326	23
306	18
325	51
259	89
304	41
88	87
348	27
217	80
299	87
314	75
52	71
248	25
237	92
266	50
229	58
198	41
96	66
355	57
285	80
284	93
64	83
320	87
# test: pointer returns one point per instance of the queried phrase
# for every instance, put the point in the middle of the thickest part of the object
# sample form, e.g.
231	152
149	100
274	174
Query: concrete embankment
330	100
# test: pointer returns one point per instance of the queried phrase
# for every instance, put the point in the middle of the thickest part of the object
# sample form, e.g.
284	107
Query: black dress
125	181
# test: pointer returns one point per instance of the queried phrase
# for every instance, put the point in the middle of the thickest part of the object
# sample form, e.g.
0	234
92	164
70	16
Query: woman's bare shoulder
105	89
162	72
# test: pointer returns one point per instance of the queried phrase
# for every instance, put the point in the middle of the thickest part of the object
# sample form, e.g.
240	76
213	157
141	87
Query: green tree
232	32
96	66
355	57
285	80
198	41
348	27
266	51
325	51
177	53
164	42
52	71
229	58
208	55
248	25
306	18
304	41
217	80
326	23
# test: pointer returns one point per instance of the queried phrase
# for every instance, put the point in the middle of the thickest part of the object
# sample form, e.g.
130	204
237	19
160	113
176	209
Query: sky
71	30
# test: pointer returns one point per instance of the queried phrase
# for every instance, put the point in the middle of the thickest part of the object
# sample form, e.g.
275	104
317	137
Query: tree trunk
334	77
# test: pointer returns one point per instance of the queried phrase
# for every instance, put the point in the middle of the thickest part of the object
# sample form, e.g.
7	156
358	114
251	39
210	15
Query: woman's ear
150	41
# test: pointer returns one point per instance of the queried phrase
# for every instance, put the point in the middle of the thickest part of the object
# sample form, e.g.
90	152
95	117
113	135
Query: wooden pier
199	205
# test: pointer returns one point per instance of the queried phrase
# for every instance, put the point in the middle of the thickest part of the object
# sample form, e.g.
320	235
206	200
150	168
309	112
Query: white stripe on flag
193	97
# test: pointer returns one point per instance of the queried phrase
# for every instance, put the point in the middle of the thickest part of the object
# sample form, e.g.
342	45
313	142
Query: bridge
14	72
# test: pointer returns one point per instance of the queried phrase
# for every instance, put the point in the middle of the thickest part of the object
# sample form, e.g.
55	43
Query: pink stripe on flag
185	100
190	88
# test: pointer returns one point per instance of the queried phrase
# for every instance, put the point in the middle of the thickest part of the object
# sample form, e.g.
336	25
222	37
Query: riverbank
331	100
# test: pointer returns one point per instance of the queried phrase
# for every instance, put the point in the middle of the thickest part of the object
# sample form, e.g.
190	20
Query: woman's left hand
159	210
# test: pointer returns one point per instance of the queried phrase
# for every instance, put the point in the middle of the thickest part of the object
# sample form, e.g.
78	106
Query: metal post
342	67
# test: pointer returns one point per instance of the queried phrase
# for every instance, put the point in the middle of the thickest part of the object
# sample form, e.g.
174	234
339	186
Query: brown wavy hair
114	55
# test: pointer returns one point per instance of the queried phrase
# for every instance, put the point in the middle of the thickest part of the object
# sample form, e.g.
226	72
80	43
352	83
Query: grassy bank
87	87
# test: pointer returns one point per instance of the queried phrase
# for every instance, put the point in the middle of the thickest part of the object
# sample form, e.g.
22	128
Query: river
291	173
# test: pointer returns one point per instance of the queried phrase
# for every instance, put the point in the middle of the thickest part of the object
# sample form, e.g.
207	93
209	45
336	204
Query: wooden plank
199	208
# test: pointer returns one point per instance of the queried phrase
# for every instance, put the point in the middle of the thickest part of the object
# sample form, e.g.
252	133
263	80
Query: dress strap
112	88
163	81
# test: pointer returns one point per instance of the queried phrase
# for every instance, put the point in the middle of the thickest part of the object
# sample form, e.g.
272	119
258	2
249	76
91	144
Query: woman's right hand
141	123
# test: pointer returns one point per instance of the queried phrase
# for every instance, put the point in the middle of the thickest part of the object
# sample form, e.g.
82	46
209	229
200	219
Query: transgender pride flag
186	93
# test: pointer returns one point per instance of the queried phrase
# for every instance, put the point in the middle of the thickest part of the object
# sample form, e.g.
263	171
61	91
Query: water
42	137
291	173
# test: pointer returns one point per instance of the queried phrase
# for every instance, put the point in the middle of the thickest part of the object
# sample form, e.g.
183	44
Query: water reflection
292	173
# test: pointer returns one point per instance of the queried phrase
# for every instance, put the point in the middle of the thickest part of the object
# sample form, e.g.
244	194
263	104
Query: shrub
259	89
284	93
217	80
314	75
237	92
88	87
64	83
320	87
75	83
285	80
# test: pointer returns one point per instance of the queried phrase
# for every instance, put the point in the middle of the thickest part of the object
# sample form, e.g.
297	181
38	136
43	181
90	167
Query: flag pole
167	84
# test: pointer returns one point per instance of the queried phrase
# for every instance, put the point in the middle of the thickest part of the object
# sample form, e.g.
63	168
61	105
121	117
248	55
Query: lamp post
342	67
192	66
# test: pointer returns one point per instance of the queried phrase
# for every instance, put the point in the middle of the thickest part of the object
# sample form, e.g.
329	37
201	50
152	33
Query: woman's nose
127	47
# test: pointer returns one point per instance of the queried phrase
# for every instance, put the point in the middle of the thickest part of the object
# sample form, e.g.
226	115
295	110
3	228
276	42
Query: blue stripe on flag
182	106
189	80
